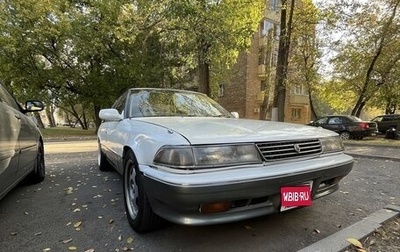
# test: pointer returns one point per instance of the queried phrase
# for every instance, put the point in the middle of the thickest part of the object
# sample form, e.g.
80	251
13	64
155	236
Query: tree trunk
314	115
39	121
360	108
50	116
282	64
97	120
204	77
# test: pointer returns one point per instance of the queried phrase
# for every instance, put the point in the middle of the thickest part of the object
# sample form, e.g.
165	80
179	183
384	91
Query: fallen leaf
38	233
248	228
111	221
26	213
89	250
67	241
72	248
76	210
129	240
316	231
77	224
120	237
46	249
69	190
13	233
355	242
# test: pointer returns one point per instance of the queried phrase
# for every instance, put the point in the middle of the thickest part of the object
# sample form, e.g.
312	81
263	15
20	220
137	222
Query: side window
322	120
120	103
6	98
335	120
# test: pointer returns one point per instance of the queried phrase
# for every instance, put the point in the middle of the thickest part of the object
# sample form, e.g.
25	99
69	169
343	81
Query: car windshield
160	103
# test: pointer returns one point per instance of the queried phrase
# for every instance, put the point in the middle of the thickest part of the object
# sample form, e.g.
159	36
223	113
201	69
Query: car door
321	122
110	133
28	144
9	146
335	123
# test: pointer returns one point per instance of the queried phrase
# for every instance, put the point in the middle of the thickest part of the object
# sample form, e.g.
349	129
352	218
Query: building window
265	26
221	90
261	56
299	89
263	85
296	114
274	4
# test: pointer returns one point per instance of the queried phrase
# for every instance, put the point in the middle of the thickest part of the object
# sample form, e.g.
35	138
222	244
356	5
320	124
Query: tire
138	210
102	161
39	172
345	135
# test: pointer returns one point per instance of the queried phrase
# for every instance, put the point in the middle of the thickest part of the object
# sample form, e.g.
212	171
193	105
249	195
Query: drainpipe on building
274	114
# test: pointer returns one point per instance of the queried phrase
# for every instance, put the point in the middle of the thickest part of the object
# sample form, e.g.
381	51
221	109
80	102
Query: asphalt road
78	207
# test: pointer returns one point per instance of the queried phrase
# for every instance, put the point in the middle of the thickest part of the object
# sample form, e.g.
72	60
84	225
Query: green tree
305	52
365	57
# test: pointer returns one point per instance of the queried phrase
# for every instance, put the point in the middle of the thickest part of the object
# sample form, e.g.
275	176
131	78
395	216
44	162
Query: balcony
261	70
260	97
298	99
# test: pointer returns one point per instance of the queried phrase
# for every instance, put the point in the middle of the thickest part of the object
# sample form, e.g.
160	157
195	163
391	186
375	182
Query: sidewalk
337	242
372	151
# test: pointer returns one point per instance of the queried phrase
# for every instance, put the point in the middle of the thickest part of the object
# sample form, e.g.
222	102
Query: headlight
207	156
331	144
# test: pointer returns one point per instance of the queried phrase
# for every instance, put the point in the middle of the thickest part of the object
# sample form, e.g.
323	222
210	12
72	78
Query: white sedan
187	160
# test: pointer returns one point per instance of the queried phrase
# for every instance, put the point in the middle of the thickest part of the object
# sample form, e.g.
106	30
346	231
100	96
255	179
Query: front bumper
252	190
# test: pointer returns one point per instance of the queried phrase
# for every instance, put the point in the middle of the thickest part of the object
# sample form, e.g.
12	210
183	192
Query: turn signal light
215	207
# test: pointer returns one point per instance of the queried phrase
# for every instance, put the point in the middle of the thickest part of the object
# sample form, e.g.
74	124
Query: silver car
187	160
21	144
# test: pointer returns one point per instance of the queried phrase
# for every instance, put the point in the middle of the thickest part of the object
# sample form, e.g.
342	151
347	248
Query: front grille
275	151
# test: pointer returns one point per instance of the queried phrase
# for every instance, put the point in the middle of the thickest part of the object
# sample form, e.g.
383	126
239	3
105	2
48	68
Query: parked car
386	122
21	144
348	127
187	160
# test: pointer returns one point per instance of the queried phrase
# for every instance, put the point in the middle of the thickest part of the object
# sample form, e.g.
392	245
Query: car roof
164	89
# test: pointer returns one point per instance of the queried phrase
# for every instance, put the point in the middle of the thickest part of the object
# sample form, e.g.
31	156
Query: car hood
224	130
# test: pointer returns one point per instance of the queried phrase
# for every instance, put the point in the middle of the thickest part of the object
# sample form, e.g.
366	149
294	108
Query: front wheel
39	172
140	215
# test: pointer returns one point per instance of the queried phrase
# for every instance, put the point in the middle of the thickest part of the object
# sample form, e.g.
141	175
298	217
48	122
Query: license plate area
296	196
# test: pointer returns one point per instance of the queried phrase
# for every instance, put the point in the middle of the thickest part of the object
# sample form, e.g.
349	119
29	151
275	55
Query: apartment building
252	81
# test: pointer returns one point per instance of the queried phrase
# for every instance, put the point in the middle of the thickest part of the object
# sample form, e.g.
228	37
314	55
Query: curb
353	154
338	241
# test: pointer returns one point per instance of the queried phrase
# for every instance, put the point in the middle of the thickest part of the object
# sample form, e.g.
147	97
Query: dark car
21	144
348	127
386	122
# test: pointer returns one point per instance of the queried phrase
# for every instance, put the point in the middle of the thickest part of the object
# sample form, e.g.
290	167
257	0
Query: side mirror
33	105
235	115
110	115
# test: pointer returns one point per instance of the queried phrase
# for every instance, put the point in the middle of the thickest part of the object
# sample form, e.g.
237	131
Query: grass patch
67	132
